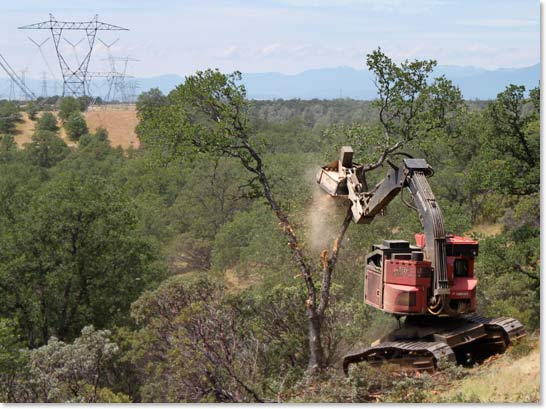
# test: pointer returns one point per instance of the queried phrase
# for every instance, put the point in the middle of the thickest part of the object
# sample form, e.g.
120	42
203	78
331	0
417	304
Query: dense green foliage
69	106
46	148
75	126
32	109
47	122
10	115
181	265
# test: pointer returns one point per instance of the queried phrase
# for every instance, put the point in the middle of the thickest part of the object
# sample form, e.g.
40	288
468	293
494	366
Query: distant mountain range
346	82
331	83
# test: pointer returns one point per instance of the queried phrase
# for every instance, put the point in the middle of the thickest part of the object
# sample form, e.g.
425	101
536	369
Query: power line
75	80
40	45
20	82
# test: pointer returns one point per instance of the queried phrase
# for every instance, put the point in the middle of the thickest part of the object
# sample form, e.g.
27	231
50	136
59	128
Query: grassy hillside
512	377
119	123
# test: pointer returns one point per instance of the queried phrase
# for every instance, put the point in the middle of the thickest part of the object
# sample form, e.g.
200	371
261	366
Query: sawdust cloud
321	216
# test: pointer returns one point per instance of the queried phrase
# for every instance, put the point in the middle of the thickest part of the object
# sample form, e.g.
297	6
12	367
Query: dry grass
487	229
25	130
120	125
509	378
235	282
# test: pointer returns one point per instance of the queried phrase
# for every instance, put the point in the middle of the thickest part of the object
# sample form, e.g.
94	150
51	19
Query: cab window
461	267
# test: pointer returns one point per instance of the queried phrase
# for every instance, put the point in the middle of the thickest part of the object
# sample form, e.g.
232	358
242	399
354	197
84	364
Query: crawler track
512	328
412	355
418	345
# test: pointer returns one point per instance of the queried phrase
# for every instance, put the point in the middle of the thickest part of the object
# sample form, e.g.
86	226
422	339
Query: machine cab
398	277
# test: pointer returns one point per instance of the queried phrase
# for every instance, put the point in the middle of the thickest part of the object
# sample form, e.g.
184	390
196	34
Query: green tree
70	257
510	160
207	114
75	126
46	149
213	345
9	117
101	134
67	107
93	157
32	109
12	363
150	99
509	272
47	122
8	148
203	347
84	102
506	171
412	111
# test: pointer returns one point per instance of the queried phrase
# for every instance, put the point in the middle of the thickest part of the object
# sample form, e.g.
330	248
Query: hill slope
513	377
120	124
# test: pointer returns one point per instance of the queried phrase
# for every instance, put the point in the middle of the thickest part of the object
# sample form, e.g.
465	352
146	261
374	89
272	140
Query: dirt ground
25	129
120	125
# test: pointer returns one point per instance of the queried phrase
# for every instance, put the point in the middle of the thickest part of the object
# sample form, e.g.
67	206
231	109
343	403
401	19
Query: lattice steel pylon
15	80
118	83
74	79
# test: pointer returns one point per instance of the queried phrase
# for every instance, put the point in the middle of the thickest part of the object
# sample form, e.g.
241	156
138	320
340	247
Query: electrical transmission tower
110	81
133	86
16	80
44	84
23	80
75	80
11	89
117	83
75	49
125	61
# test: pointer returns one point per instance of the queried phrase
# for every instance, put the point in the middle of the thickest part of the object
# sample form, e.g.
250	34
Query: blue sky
287	36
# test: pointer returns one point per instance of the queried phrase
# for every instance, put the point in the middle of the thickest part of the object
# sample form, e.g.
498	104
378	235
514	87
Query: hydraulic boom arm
346	179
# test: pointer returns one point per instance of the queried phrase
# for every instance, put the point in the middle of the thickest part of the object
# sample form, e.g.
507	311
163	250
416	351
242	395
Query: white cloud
401	6
231	53
501	23
269	49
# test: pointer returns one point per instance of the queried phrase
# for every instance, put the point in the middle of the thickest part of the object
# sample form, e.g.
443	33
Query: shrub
47	122
32	110
75	126
46	149
59	372
67	107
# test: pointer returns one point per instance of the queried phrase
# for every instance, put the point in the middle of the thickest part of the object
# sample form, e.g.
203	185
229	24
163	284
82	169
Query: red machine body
398	276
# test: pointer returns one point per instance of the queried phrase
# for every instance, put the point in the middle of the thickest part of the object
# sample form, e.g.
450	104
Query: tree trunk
315	308
316	355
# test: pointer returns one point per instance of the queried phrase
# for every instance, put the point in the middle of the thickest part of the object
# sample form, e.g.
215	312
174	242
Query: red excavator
431	283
